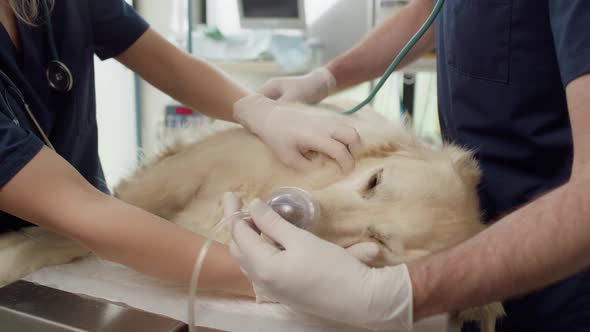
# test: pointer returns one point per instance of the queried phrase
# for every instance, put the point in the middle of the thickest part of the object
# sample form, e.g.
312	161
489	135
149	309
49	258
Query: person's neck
8	20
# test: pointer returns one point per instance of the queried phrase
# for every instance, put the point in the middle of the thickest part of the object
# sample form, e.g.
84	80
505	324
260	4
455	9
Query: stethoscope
59	78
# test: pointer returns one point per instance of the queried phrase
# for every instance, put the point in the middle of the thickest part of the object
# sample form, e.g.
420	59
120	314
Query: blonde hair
30	11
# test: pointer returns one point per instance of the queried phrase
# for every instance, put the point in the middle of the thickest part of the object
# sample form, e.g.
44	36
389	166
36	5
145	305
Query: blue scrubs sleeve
17	147
570	20
115	27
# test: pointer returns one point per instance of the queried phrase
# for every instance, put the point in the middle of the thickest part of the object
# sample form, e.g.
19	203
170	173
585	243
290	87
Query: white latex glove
290	132
308	89
319	278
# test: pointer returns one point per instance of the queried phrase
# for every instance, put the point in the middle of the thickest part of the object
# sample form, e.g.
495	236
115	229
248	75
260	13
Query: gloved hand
366	252
291	132
317	277
308	89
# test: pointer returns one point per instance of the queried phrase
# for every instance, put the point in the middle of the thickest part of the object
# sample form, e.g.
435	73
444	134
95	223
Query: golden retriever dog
411	199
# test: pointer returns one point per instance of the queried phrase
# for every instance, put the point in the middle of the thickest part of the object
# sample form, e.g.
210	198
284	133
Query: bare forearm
537	245
67	204
155	247
187	79
373	54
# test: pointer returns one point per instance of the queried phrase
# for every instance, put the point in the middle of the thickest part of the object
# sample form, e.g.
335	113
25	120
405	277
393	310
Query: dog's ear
465	164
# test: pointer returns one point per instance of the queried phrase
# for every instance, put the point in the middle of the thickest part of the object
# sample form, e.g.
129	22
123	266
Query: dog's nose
296	206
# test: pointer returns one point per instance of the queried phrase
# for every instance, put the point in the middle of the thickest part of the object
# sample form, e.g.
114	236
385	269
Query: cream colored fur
423	199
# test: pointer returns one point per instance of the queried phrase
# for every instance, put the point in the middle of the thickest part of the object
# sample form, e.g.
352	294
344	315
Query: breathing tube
402	54
293	204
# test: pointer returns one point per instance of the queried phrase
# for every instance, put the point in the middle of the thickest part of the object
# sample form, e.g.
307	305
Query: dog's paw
12	268
24	258
11	239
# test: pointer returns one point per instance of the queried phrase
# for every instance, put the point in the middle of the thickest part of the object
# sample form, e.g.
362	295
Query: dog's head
409	198
411	203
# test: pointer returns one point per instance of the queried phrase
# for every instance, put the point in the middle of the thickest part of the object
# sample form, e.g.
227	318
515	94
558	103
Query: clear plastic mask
296	206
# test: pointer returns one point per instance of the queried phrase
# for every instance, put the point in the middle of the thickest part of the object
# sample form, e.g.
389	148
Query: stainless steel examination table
28	307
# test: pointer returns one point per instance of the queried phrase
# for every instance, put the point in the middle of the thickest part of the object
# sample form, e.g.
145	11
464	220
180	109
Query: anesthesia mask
296	206
293	204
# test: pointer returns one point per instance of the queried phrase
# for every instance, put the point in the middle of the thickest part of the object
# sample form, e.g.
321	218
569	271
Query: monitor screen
271	8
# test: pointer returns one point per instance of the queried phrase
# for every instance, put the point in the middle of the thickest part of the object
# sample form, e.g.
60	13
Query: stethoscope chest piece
60	78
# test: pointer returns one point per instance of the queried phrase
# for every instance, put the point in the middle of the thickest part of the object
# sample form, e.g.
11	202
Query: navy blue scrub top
82	28
503	66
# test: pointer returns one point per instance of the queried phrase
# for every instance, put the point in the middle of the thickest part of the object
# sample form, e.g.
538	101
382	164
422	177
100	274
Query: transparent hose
199	265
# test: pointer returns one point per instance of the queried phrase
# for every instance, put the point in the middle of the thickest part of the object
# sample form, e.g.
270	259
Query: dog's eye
374	181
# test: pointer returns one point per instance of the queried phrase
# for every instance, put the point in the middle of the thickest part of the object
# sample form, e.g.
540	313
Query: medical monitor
272	14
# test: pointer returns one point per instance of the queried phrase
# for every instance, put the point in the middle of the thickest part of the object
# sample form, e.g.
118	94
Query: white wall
339	24
159	15
115	99
116	119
